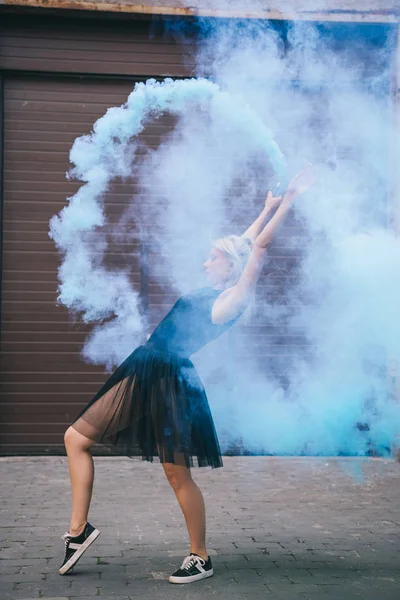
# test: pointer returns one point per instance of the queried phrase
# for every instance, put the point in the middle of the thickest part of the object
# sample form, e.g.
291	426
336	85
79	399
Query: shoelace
190	561
66	537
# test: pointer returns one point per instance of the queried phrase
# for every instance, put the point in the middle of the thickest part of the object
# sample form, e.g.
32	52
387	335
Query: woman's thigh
109	414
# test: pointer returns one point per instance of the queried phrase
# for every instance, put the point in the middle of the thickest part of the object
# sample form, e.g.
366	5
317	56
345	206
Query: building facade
62	64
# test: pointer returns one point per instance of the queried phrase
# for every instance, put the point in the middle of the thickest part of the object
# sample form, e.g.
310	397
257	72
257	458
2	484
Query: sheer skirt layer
155	405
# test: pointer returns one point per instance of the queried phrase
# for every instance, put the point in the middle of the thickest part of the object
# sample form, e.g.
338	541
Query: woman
155	400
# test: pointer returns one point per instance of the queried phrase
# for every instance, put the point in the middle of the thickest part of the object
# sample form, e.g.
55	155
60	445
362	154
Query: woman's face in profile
217	267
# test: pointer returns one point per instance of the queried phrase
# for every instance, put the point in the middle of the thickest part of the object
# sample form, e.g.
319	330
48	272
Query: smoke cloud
277	96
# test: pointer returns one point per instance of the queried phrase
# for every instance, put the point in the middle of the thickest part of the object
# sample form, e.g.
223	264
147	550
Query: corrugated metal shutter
43	379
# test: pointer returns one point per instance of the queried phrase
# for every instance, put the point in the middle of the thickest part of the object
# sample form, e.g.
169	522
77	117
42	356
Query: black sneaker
193	569
76	546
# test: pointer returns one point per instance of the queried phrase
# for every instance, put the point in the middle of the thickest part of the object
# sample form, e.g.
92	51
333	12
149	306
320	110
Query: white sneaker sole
192	578
74	559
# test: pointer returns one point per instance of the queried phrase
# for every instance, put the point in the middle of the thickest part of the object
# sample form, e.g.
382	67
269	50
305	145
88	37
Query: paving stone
20	562
22	577
5	587
114	597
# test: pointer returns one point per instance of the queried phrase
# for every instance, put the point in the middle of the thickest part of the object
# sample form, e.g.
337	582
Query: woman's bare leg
108	412
81	472
191	502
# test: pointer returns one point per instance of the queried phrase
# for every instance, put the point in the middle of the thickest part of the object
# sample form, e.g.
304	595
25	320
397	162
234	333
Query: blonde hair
237	249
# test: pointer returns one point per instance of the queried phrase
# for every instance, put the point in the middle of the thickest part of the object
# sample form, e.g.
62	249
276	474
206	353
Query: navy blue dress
155	404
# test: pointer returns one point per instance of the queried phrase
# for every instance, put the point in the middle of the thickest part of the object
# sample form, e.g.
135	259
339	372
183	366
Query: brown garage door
43	379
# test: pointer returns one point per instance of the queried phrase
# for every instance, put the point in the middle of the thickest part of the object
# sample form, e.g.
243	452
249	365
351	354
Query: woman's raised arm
255	228
234	300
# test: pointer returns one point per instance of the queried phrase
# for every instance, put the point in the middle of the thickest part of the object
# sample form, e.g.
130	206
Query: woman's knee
177	475
74	440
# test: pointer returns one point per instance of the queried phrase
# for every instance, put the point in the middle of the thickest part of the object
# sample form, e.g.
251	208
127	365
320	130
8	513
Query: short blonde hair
237	249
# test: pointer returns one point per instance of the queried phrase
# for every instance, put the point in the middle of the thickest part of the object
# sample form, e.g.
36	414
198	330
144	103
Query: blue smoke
293	86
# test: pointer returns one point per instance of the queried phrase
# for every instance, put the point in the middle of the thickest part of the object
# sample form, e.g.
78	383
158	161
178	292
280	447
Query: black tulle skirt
154	405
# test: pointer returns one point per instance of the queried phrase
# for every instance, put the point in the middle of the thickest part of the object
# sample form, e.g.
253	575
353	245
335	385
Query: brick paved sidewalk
278	529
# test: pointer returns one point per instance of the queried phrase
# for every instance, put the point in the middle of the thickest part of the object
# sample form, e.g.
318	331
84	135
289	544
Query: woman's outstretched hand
302	181
272	201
